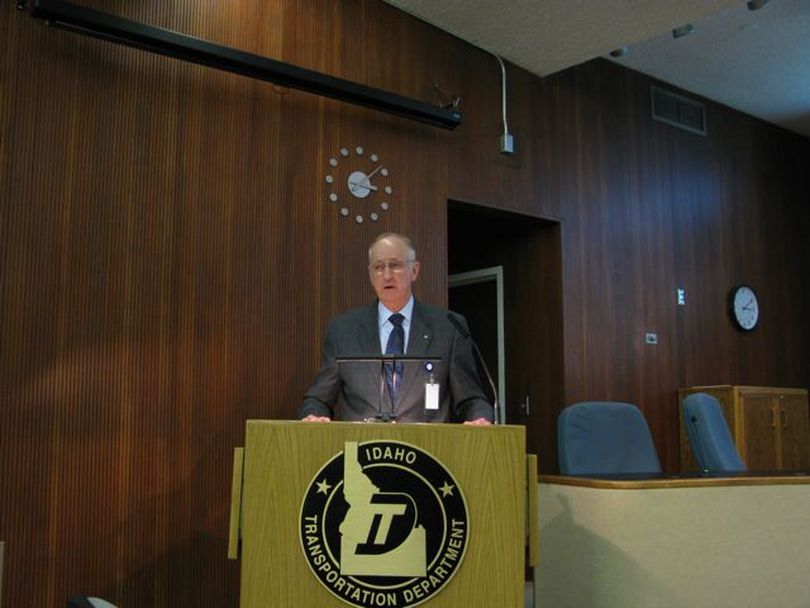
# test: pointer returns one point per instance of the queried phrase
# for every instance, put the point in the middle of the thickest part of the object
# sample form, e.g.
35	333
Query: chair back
605	437
709	435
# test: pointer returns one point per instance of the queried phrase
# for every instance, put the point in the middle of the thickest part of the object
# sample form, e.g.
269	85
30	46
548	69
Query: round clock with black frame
358	184
744	307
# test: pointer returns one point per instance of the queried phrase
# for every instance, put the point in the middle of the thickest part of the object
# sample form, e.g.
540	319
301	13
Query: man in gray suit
412	391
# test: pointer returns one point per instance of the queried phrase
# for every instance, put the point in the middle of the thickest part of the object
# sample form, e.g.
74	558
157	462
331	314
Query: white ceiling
757	62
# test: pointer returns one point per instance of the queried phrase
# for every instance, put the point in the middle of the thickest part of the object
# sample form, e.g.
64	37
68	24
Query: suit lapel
369	332
419	340
421	333
368	343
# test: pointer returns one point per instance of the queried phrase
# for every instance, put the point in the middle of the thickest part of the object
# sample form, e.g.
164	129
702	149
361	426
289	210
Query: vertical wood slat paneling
168	261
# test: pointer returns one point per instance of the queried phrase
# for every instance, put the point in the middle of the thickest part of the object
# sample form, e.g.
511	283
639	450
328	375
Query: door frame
484	275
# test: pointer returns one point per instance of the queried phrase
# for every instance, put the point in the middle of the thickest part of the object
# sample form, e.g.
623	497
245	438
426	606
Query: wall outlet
650	338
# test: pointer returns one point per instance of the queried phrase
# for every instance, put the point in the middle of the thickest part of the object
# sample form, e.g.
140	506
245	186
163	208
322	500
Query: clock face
744	307
358	184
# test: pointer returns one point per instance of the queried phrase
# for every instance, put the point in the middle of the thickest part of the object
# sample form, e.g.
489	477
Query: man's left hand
478	422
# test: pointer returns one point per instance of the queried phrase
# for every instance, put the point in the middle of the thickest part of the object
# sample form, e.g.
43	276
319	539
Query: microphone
466	335
382	415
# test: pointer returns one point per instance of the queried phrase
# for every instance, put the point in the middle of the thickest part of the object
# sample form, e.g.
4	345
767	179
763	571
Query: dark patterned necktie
395	346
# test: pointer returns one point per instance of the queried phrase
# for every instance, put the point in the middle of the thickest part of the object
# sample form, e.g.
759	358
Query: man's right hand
314	418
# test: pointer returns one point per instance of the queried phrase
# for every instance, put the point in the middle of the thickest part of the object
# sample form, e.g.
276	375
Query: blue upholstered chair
604	437
709	435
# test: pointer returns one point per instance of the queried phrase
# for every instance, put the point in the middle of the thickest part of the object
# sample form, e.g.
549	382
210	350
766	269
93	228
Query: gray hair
394	235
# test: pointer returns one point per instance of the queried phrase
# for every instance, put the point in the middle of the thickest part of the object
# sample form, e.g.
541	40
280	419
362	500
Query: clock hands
373	173
360	184
363	186
364	181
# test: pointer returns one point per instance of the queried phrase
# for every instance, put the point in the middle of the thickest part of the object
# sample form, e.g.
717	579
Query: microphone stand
466	334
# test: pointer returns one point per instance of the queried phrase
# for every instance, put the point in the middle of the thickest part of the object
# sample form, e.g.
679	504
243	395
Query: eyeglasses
395	266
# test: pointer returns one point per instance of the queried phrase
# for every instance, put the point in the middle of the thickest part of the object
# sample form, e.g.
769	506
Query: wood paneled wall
168	260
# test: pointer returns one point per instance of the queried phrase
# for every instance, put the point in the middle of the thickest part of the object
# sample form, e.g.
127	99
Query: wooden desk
770	426
676	543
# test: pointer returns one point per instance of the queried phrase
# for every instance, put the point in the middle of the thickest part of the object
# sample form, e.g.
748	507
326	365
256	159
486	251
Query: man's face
391	272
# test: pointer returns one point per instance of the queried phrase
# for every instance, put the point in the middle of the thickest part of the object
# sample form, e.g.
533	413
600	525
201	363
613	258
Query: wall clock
358	184
744	307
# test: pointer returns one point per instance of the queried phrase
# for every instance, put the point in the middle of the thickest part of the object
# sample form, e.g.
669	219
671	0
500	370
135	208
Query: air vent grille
678	111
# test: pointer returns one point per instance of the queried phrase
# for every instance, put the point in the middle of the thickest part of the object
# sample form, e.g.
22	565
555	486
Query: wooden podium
337	514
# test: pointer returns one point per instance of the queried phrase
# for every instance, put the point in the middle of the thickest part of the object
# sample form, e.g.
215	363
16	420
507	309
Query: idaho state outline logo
384	524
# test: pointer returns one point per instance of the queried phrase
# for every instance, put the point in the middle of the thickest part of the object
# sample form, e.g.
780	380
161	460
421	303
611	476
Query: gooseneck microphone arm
466	335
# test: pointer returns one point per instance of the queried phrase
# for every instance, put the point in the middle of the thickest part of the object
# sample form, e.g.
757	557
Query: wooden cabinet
771	426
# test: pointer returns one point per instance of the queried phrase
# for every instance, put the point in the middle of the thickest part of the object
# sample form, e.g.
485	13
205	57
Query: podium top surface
438	427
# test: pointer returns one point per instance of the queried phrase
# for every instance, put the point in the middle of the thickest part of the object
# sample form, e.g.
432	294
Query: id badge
431	395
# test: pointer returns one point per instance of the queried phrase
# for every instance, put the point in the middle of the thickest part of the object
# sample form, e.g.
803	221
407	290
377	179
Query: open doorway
478	295
528	251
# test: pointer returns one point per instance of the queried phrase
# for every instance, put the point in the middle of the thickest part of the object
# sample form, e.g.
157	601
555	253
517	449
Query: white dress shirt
386	326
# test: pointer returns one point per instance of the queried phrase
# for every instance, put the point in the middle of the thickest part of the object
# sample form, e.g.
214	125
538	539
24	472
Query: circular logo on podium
384	524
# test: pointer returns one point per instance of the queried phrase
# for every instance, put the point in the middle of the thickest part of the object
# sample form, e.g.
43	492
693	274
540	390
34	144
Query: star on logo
323	487
446	489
